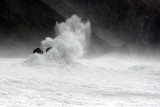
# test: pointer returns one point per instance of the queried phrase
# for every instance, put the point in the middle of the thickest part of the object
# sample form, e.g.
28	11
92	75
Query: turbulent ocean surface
66	77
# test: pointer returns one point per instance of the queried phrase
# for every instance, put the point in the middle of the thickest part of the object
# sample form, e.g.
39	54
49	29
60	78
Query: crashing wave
72	37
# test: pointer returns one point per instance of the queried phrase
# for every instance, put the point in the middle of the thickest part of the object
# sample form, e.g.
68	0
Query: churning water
63	77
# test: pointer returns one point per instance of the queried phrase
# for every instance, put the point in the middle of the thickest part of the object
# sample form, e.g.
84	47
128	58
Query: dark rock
48	49
133	22
38	50
24	23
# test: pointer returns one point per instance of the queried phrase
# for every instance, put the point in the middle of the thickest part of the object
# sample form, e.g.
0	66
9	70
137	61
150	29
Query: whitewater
65	77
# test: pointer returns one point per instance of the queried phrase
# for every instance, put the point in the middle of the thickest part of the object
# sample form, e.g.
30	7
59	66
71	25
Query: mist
133	23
